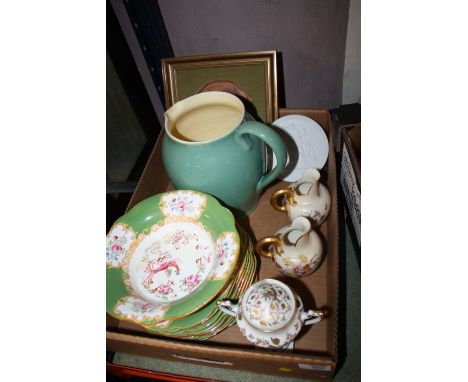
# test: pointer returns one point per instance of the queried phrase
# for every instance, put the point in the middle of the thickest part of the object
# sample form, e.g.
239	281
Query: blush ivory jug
307	197
212	145
295	249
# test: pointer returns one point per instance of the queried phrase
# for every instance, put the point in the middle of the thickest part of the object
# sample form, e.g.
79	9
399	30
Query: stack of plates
171	258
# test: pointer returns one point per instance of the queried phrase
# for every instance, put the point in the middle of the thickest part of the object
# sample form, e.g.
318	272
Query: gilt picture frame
250	75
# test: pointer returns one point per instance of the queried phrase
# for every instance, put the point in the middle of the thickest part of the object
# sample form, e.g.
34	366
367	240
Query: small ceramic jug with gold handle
307	197
295	249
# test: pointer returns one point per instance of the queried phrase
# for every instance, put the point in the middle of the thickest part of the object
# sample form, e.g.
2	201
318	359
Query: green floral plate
208	314
217	323
169	256
209	320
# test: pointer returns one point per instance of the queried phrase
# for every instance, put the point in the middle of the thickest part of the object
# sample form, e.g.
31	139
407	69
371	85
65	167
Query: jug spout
297	238
173	113
309	183
298	235
168	120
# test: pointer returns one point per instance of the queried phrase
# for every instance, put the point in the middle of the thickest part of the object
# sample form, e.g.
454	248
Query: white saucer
306	142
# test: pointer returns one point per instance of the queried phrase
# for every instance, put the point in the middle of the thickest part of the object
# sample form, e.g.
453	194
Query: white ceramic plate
306	142
172	262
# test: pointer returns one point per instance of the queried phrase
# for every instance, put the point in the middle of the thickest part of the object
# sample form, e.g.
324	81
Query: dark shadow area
352	235
345	115
114	378
292	152
244	222
305	295
115	207
342	300
147	122
129	75
250	108
280	80
153	38
324	245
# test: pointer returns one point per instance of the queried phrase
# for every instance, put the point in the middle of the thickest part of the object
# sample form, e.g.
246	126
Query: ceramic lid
307	145
268	305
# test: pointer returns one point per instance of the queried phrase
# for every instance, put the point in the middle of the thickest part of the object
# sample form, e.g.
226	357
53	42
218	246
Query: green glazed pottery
169	256
212	145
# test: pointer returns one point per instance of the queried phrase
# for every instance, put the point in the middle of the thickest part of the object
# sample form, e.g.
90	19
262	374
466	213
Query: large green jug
212	145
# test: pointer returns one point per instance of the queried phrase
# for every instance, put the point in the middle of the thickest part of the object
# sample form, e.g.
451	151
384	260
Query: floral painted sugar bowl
295	249
269	314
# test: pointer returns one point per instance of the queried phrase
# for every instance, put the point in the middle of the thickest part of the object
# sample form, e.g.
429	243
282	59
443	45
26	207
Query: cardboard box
315	353
348	146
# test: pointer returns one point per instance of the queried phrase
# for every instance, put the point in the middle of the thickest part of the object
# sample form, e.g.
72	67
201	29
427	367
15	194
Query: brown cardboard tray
315	351
348	148
350	136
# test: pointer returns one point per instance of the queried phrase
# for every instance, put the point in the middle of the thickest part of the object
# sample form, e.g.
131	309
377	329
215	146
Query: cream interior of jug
205	116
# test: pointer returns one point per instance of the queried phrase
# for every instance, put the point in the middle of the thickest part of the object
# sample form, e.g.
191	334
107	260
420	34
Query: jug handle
272	139
312	316
262	247
227	307
288	199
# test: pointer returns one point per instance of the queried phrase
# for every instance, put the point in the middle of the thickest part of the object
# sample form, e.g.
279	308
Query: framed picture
249	75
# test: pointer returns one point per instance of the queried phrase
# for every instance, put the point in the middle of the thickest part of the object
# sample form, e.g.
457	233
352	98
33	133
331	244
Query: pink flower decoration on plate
226	250
135	309
165	289
192	279
183	204
118	242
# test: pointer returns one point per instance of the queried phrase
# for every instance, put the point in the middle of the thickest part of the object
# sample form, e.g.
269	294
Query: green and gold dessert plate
200	317
243	270
169	256
209	320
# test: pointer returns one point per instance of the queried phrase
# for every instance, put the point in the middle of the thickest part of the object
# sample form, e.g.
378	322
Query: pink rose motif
139	306
301	270
192	280
146	306
181	205
116	248
165	289
176	240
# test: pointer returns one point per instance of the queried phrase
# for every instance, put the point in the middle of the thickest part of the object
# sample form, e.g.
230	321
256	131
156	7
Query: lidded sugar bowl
270	314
